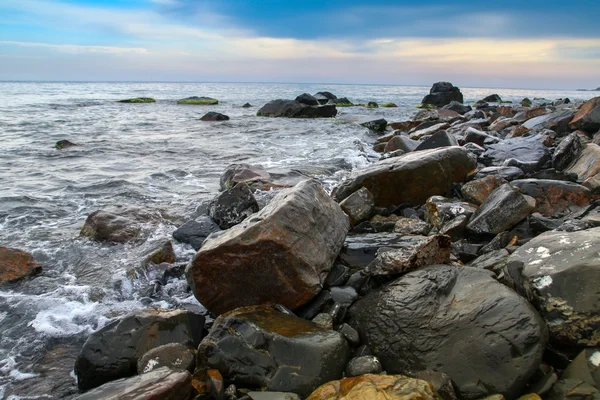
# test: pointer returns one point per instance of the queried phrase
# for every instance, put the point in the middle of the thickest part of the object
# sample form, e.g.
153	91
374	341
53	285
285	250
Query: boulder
16	264
324	97
558	121
371	386
160	384
307	99
559	271
506	173
587	165
284	253
295	109
258	347
199	100
64	144
360	250
442	93
554	198
502	210
410	252
175	356
250	174
105	226
214	116
400	142
526	102
587	117
113	351
196	231
358	206
232	206
420	321
478	190
411	178
438	139
493	98
162	253
458	107
377	125
567	151
530	151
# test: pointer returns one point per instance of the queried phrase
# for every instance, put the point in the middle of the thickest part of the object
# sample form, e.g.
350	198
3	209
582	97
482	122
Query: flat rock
284	252
359	250
585	367
554	198
420	321
16	264
257	347
412	226
529	150
506	173
557	121
411	178
295	109
160	384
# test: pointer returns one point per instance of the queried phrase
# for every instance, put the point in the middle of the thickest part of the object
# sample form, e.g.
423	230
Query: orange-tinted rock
587	165
411	178
16	264
506	111
478	190
518	131
280	255
399	142
376	387
554	198
588	116
236	173
404	126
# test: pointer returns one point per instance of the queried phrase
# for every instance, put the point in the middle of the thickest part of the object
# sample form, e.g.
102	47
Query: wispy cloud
77	49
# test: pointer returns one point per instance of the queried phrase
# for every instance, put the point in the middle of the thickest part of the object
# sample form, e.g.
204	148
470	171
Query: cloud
77	49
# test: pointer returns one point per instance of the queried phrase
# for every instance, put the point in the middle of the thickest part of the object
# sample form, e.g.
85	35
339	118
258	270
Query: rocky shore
464	264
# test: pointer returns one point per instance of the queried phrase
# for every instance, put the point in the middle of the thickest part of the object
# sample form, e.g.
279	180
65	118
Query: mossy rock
247	105
526	102
63	144
195	100
139	100
389	105
344	105
372	104
427	106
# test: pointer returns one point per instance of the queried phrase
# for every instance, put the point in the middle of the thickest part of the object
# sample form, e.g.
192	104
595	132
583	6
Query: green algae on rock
138	100
195	100
389	105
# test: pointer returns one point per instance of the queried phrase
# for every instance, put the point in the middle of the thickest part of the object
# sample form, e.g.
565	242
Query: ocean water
161	158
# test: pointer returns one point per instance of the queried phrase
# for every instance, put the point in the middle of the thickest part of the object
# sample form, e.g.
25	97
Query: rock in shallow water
258	347
282	254
295	109
422	319
16	264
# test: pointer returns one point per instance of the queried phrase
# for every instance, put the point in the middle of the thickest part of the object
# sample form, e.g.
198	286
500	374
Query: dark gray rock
232	206
196	231
160	384
440	210
508	173
324	97
557	121
257	347
338	275
493	98
113	351
572	389
400	142
214	116
475	149
358	206
503	209
420	321
559	272
104	226
307	99
458	107
363	365
530	150
567	151
377	125
175	356
441	383
412	226
438	139
491	261
359	250
64	144
585	367
478	137
554	175
315	305
272	396
442	93
349	334
295	109
499	241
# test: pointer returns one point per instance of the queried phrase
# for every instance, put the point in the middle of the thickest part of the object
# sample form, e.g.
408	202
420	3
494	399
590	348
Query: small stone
363	365
412	226
323	320
377	125
349	334
358	206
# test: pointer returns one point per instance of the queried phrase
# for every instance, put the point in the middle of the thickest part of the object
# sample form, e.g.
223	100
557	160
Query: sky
506	44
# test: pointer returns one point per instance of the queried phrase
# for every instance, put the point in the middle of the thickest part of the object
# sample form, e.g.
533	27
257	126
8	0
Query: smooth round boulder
459	321
214	116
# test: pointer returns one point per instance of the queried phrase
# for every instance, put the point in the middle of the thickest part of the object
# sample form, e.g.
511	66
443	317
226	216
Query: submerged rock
113	351
284	253
64	144
442	93
104	226
196	231
196	100
214	116
16	264
248	173
506	337
377	125
295	109
257	347
411	178
139	100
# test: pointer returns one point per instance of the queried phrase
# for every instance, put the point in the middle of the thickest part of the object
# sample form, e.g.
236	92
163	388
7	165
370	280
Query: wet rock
273	396
587	166
196	231
341	102
526	102
377	125
371	386
478	137
411	178
232	206
307	99
64	144
160	384
113	351
163	254
540	224
175	356
358	206
442	93
493	98
247	105
237	173
284	252
349	334
359	250
439	210
138	100
491	261
554	198
258	347
500	241
412	226
295	109
458	107
315	305
438	139
214	116
400	142
454	303
427	129
503	209
506	173
528	114
587	117
104	226
478	190
474	149
409	253
16	264
557	121
555	175
323	320
363	365
585	367
572	389
502	123
530	150
198	100
384	224
559	271
441	383
338	275
324	97
567	151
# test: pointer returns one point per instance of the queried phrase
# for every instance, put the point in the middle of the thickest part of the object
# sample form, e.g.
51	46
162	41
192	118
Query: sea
157	157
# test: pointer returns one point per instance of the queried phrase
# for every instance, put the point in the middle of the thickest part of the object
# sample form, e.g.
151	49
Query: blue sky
537	44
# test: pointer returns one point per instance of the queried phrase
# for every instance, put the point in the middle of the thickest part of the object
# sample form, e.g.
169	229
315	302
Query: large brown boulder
554	198
588	116
280	255
411	178
16	264
587	166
